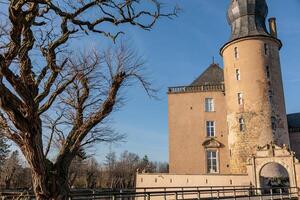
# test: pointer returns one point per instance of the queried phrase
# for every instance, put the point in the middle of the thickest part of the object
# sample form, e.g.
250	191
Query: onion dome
247	18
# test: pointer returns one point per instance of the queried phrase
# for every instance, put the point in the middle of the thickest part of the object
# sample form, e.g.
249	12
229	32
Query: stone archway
274	175
282	159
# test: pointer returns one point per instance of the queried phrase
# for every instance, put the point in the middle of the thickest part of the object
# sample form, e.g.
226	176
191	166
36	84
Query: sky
179	50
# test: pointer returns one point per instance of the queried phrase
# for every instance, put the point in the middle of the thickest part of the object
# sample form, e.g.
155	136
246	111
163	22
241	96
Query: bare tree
12	168
4	150
38	78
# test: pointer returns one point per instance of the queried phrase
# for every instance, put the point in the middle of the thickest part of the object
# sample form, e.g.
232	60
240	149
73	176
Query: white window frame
240	98
238	74
209	105
211	156
210	128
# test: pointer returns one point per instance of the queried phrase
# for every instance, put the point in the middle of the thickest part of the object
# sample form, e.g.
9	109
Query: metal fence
189	193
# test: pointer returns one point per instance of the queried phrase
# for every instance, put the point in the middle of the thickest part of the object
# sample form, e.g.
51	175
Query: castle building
232	121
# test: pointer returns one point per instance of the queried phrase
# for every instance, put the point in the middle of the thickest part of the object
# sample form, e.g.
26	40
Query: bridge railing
172	194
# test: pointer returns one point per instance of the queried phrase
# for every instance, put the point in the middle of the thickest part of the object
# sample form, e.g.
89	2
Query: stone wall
257	108
263	156
175	180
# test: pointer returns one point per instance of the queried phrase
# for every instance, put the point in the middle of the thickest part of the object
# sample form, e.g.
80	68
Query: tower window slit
271	95
268	73
242	124
236	52
274	125
266	47
240	99
238	74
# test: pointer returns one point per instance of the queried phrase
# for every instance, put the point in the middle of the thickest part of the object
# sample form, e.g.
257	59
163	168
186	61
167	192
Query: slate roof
213	75
294	120
247	18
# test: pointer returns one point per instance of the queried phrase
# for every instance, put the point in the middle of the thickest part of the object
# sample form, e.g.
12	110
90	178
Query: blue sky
178	51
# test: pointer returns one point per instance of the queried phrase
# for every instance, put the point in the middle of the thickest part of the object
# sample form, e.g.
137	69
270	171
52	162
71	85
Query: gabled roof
294	120
211	76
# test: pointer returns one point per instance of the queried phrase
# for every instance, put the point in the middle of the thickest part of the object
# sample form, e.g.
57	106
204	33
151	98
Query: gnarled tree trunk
51	184
39	78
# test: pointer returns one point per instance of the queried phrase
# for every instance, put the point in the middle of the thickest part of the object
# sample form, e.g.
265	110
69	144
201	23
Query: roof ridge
213	74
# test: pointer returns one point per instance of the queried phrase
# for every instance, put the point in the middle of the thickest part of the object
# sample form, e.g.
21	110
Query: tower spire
247	18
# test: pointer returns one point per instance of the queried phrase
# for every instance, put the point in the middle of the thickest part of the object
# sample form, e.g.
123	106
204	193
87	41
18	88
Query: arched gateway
273	166
274	175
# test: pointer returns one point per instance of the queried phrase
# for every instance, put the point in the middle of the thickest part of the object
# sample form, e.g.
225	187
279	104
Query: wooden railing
174	194
198	88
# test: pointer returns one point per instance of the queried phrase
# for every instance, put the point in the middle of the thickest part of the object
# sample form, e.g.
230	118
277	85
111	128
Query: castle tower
256	112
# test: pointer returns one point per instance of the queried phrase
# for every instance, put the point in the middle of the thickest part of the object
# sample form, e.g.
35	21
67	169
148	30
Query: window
209	105
236	52
266	47
271	96
238	74
268	73
240	99
242	124
210	129
212	161
273	121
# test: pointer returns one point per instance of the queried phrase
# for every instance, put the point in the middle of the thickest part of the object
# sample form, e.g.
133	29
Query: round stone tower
256	112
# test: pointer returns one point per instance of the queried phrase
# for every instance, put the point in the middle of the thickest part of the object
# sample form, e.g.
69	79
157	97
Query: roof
247	18
294	120
213	75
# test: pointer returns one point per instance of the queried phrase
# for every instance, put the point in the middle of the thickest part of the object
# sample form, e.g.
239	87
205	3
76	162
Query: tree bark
51	186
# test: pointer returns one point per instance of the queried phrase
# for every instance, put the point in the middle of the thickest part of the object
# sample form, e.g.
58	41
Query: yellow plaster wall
187	132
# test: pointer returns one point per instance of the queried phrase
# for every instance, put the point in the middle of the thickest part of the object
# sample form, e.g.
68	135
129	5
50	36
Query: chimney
273	27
